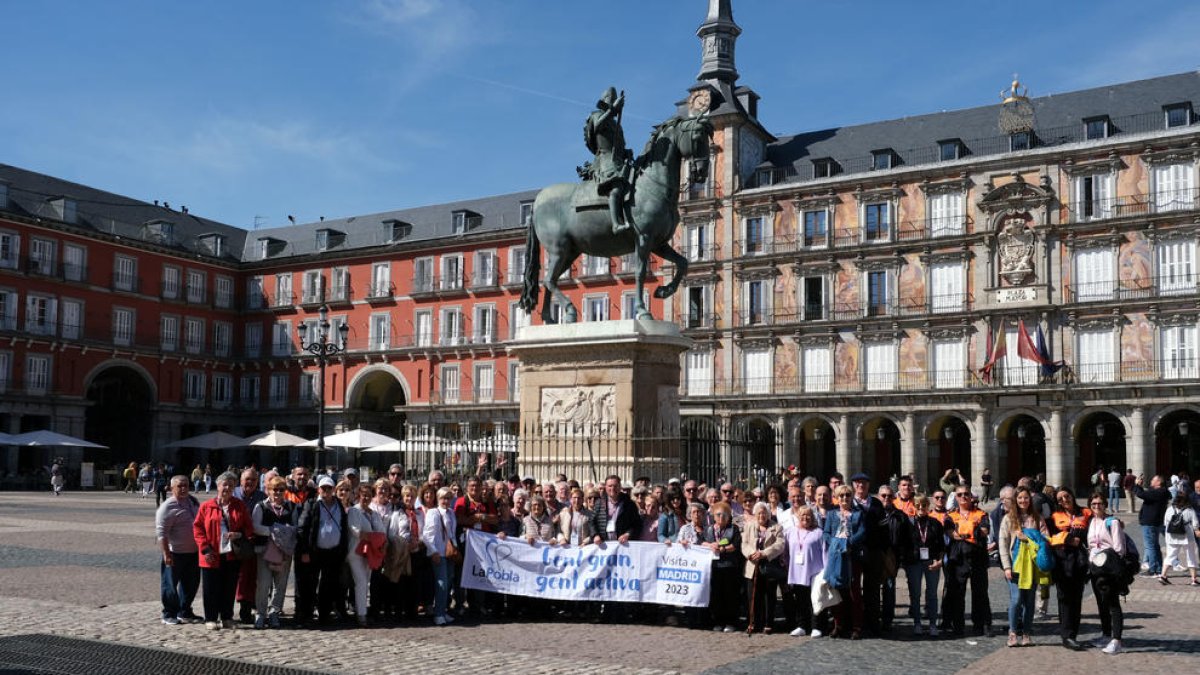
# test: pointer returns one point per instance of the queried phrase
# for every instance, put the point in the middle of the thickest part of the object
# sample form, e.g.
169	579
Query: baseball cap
325	481
528	479
351	472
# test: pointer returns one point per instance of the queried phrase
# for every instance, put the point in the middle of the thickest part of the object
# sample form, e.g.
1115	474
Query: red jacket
207	527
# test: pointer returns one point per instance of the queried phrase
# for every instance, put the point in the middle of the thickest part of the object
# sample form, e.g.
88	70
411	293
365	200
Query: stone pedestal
599	398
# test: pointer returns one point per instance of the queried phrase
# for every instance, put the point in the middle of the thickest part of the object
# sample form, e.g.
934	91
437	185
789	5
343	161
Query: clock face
700	101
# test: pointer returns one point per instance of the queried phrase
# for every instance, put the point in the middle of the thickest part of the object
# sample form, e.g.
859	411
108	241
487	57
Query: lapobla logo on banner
495	553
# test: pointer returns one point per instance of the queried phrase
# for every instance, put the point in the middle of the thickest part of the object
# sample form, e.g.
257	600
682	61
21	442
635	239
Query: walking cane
753	593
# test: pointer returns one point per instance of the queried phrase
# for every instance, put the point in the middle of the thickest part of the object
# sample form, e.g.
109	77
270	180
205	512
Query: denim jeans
917	574
441	596
1020	607
1150	536
1114	499
179	584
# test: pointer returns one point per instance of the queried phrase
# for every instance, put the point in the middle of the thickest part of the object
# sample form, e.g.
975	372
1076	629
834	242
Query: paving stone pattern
82	569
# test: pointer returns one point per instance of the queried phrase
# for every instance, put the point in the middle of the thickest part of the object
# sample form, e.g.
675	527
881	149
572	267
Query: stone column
1060	456
784	448
980	448
1136	455
908	447
845	455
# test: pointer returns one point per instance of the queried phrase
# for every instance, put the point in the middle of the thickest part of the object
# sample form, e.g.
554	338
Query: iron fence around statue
591	454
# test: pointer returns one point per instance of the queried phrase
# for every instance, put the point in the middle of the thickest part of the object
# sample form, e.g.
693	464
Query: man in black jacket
1154	508
616	517
321	545
875	551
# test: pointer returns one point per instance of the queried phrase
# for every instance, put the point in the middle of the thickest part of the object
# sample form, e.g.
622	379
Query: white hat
325	480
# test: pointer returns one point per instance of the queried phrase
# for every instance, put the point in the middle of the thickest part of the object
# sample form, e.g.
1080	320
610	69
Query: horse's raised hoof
644	315
664	292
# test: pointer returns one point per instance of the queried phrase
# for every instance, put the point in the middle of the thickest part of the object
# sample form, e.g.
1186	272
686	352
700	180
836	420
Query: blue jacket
840	552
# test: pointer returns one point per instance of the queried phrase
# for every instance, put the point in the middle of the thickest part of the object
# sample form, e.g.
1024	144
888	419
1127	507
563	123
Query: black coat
307	523
1154	504
629	521
935	540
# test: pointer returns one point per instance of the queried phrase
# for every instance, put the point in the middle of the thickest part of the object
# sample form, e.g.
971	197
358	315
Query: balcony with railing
381	291
701	321
1141	288
127	283
594	268
701	191
422	285
467	394
452	283
41	267
283	301
339	293
1139	204
312	296
485	280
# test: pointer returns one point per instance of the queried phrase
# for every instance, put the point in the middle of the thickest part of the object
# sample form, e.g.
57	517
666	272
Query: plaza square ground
79	592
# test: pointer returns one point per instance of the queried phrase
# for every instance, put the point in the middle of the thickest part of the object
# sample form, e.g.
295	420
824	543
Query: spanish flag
997	348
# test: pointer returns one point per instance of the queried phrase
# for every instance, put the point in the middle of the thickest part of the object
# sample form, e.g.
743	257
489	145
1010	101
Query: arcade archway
120	414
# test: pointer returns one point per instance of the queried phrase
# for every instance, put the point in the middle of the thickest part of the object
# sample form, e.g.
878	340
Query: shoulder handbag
243	547
452	553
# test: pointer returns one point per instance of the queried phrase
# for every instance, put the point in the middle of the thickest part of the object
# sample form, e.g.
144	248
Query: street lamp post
322	349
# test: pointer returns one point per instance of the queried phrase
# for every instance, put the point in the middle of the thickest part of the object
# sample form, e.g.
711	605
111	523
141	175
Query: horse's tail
533	266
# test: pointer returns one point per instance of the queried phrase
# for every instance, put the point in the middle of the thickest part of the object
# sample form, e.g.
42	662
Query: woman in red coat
218	523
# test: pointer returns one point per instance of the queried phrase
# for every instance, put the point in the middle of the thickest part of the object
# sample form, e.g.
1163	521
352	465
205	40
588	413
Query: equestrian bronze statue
570	219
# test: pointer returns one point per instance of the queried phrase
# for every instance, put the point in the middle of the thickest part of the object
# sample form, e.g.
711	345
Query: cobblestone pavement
83	567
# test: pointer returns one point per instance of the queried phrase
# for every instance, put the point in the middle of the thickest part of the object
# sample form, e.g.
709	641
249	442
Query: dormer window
882	160
1095	128
160	231
3	196
1021	140
949	149
64	209
396	230
269	246
1178	114
464	221
214	244
823	168
322	240
526	213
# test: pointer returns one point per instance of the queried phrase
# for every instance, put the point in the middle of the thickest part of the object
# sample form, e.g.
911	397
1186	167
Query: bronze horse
568	220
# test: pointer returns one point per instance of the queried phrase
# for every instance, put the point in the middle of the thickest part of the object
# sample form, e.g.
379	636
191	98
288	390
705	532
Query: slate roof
30	194
499	212
1132	106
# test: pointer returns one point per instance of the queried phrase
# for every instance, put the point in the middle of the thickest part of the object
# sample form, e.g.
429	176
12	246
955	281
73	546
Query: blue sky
248	111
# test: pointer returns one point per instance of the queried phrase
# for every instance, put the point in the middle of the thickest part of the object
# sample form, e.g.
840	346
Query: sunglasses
939	497
728	492
278	490
393	473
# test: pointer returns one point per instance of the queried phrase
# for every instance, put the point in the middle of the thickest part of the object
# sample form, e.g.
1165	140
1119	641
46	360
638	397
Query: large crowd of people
390	551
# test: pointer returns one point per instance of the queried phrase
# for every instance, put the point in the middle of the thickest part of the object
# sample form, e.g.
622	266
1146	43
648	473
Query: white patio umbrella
51	438
275	439
5	439
213	440
356	439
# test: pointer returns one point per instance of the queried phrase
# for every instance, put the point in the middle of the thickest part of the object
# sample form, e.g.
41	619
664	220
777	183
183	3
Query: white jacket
439	522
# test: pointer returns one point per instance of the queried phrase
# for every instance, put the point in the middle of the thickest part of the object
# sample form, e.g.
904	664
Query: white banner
635	572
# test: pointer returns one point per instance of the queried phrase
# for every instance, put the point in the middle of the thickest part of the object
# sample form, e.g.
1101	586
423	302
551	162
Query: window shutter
881	366
817	369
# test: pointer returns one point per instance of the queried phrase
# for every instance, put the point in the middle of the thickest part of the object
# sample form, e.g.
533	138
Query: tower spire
717	36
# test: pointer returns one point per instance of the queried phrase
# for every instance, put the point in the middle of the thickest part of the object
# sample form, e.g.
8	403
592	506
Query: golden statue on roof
1016	111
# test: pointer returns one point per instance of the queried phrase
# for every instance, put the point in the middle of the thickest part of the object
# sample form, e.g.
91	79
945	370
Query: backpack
1176	524
1131	562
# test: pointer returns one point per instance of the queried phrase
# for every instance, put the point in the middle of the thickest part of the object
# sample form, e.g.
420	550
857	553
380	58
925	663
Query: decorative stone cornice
1150	156
1017	196
1154	233
872	265
1190	318
756	342
960	184
1110	164
814	202
878	194
1111	239
758	210
948	332
962	255
698	217
757	273
823	339
816	267
1110	321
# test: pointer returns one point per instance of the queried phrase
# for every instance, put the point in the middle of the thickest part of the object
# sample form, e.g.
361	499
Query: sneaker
448	617
362	621
716	629
728	629
1012	640
1026	641
273	621
815	634
439	620
1101	642
918	629
228	623
171	621
212	625
190	618
260	623
1113	647
933	631
799	632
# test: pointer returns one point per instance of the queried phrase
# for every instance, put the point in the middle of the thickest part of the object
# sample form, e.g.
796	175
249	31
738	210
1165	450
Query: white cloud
429	34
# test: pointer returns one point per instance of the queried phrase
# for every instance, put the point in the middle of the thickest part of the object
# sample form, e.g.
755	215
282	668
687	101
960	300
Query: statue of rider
604	137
